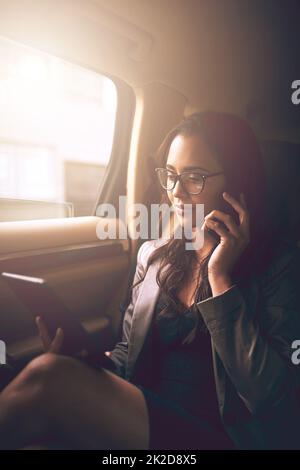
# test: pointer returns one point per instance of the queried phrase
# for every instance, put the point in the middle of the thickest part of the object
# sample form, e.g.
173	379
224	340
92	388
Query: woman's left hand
233	242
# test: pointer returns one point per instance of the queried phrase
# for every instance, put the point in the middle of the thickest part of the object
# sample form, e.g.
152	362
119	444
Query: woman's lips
179	211
182	209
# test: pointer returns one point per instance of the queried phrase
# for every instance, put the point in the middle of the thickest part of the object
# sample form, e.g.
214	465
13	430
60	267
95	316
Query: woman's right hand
53	346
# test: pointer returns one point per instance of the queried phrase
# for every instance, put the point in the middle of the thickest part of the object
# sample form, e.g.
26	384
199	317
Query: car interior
88	90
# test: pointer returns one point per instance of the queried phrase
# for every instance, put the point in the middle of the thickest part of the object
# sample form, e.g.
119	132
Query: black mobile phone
39	298
226	207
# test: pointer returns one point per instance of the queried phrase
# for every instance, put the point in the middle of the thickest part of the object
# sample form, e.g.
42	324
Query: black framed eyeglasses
192	181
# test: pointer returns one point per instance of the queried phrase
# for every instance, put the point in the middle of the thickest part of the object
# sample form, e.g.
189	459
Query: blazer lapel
142	316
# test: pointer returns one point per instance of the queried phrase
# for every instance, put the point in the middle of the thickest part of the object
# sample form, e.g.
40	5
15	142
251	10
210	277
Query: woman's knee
44	370
32	383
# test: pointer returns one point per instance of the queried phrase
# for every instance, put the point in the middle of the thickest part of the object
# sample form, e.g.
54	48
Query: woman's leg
92	409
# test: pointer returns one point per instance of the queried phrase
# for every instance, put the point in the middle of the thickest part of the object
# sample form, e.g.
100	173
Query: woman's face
188	153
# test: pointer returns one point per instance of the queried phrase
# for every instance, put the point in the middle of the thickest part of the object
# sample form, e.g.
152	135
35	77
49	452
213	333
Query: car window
56	134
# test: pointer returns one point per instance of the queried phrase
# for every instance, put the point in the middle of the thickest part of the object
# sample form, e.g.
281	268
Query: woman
205	356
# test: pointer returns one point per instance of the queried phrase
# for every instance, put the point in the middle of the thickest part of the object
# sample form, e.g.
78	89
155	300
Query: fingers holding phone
49	345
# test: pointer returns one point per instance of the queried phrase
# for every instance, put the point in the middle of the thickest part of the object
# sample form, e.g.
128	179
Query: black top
184	372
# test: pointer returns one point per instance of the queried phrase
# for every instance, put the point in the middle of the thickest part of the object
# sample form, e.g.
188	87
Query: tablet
39	298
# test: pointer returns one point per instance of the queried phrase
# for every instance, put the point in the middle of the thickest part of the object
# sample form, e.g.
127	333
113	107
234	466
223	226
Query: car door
86	271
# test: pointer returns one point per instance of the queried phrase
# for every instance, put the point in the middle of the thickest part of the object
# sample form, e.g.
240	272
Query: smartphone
224	206
39	298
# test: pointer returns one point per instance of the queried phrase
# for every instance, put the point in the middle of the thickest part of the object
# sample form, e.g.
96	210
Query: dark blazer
252	327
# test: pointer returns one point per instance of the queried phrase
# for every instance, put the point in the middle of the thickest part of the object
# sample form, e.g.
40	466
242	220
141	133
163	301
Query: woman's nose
178	189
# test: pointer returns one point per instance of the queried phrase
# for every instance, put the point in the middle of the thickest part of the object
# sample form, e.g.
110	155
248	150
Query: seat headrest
282	165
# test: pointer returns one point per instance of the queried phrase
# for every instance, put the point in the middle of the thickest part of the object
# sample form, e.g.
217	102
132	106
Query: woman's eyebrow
187	168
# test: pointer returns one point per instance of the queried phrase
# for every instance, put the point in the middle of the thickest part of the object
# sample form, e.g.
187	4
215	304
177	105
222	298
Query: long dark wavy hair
233	142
